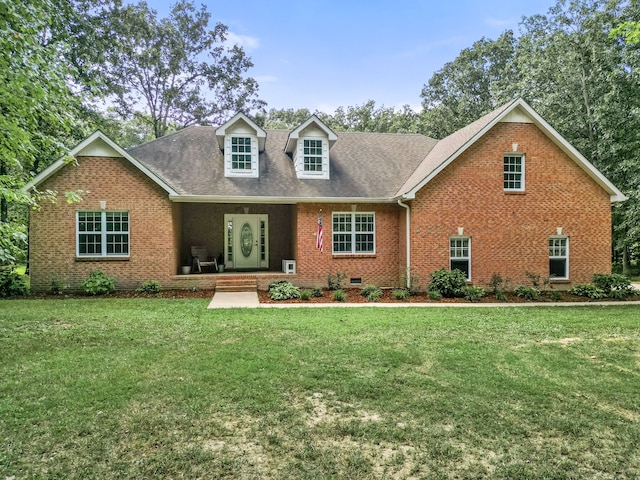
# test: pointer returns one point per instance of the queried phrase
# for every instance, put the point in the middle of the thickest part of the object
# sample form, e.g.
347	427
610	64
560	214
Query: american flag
319	235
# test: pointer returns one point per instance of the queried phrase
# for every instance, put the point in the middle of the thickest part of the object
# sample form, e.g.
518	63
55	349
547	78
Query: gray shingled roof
363	165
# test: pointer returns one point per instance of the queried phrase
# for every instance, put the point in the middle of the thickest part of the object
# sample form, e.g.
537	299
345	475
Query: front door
247	239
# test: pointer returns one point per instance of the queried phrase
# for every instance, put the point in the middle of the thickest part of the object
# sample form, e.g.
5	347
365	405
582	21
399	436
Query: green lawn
140	388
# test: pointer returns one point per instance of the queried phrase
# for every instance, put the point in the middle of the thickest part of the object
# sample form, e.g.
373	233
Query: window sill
102	259
515	192
354	255
559	280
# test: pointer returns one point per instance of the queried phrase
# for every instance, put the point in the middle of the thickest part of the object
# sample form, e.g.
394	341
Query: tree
479	80
34	108
175	70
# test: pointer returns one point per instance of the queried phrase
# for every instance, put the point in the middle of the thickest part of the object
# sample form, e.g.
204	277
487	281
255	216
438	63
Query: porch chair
201	259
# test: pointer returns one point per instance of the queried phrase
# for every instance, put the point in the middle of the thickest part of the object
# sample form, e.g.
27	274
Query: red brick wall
509	232
52	233
313	267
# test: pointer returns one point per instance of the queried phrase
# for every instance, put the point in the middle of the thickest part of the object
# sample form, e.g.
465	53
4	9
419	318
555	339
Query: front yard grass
155	388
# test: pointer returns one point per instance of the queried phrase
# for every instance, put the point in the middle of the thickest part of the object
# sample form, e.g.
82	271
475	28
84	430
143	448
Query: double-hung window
312	156
460	255
102	234
241	153
354	233
559	258
514	173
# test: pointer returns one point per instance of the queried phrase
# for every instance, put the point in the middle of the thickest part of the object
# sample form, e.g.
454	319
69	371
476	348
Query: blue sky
321	55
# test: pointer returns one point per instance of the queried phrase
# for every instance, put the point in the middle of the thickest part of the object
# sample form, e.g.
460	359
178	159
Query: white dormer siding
241	157
311	156
309	146
241	141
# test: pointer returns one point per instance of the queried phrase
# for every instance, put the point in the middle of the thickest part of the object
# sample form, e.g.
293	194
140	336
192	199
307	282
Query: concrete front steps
237	283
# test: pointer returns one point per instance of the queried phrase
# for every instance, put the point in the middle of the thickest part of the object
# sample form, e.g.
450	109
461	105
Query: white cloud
245	41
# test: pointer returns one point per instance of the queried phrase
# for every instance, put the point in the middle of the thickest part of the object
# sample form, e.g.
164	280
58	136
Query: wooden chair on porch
201	259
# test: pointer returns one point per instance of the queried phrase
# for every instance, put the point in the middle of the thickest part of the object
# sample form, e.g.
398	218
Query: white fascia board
221	131
294	135
615	194
275	200
119	151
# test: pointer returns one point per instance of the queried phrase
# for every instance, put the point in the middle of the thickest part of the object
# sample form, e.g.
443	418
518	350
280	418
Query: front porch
240	237
249	280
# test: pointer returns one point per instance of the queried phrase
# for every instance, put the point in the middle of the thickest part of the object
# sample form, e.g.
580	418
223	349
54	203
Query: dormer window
312	161
241	141
309	146
240	153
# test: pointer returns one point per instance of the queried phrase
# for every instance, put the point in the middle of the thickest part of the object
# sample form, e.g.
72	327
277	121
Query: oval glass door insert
246	240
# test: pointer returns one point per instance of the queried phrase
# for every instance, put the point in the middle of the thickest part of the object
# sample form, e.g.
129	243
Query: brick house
506	194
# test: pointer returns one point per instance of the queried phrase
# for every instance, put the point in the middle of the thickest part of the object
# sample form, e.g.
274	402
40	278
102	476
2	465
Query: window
312	161
240	153
460	255
103	234
514	172
559	258
354	233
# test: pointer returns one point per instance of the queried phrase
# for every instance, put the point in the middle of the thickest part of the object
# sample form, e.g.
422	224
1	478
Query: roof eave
275	200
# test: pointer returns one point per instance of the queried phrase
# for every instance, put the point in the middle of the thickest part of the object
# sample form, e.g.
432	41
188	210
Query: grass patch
138	388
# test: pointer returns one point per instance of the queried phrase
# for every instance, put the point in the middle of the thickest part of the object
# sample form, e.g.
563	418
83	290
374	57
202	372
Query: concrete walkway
250	300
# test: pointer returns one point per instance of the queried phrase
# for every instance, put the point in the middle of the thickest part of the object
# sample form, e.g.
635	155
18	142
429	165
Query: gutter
408	239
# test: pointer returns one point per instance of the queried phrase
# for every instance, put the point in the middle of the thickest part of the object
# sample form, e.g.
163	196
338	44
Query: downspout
408	240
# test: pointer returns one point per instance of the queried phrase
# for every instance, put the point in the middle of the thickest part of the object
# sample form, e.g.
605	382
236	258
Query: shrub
12	283
473	293
434	295
528	293
556	296
283	291
588	290
98	283
501	295
448	283
317	292
400	293
57	287
614	285
371	293
336	282
305	294
151	287
339	295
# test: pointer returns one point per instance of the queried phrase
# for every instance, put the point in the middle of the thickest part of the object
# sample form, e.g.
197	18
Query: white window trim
103	235
229	171
555	257
468	259
522	174
302	173
353	233
242	170
322	166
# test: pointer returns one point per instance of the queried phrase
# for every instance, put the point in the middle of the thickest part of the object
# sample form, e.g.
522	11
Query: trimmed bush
614	285
336	282
317	292
305	294
449	284
528	293
283	291
99	283
150	288
434	295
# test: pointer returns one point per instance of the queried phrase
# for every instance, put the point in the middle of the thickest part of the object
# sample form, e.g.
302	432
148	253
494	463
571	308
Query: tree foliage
35	102
175	70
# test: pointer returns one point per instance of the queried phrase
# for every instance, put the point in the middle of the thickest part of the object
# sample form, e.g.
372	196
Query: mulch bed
353	296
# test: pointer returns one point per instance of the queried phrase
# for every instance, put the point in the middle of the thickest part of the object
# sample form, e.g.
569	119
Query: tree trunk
626	267
4	205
